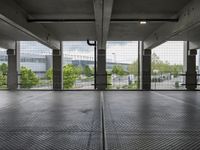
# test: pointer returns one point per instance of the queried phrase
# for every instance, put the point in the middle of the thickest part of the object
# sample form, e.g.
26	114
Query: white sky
127	51
121	52
171	51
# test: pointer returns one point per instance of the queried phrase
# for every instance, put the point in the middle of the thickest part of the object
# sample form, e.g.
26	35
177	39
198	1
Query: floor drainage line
102	101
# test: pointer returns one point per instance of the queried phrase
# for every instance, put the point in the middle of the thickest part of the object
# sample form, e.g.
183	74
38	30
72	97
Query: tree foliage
70	75
157	65
165	67
3	76
133	68
118	70
28	78
49	74
2	80
4	68
87	71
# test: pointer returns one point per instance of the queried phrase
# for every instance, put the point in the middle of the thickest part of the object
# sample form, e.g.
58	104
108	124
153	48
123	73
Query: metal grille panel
152	120
50	120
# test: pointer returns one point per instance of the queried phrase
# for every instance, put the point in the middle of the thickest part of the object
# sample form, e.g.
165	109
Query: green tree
176	69
109	81
118	70
28	78
4	68
87	71
3	76
3	80
70	75
49	74
165	67
133	68
157	66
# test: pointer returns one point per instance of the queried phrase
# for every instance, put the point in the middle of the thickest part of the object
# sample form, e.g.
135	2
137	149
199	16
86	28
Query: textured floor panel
50	140
152	142
149	120
50	120
71	120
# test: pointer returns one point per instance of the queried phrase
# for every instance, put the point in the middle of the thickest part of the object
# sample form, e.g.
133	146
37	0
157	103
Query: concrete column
145	68
57	69
12	77
18	49
190	62
101	78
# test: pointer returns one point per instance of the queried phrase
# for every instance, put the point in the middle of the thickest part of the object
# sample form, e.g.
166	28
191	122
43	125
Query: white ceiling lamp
143	22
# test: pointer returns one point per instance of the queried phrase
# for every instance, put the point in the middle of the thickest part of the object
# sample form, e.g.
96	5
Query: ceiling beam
194	45
6	43
135	20
98	13
61	20
138	20
189	18
15	16
103	12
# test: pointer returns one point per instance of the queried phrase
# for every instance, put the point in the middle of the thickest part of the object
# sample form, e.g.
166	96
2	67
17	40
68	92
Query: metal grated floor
40	120
153	120
49	120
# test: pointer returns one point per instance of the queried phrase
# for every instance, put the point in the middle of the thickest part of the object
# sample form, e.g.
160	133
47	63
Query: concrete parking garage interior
99	118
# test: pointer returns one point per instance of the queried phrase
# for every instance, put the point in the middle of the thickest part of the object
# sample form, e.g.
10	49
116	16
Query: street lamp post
114	57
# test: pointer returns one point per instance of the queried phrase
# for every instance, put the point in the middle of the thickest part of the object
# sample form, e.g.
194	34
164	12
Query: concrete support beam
188	20
101	78
191	74
12	75
145	67
194	45
12	14
57	70
7	44
102	11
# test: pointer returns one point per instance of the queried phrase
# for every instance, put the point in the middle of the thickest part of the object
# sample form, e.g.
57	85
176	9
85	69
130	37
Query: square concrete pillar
57	70
145	68
12	75
190	62
101	78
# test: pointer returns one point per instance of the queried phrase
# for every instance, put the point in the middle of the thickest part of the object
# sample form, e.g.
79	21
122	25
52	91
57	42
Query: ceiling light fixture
143	22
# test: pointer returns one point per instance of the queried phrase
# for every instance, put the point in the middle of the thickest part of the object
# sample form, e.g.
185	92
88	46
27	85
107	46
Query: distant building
40	63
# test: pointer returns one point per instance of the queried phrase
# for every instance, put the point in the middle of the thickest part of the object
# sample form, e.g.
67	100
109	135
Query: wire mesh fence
3	68
167	66
35	66
198	68
122	64
78	65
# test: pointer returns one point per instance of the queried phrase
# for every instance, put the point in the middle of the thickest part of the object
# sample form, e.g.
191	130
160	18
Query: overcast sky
121	52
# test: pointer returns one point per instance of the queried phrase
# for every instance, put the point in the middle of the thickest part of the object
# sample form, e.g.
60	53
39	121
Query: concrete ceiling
55	9
10	32
71	20
147	8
